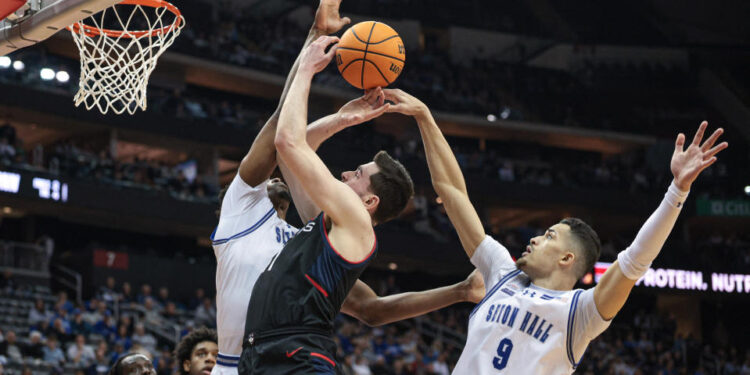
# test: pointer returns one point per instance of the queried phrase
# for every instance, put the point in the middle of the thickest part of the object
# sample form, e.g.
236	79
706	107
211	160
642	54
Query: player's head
196	353
570	245
384	185
279	194
133	364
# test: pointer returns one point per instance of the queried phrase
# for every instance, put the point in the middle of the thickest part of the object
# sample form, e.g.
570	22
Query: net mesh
116	62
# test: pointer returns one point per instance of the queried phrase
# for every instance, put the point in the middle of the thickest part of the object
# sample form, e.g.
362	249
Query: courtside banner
715	207
668	278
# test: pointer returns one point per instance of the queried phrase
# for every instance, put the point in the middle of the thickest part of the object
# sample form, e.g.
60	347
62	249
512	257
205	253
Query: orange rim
93	31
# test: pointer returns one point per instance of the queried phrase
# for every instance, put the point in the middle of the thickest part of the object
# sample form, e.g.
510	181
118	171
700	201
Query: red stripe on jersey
316	285
325	232
313	354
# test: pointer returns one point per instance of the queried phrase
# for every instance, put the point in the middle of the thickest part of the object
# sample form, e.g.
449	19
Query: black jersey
304	287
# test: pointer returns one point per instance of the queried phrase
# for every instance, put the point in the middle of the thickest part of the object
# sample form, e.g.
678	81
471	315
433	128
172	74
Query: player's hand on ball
404	103
364	108
315	58
688	163
327	18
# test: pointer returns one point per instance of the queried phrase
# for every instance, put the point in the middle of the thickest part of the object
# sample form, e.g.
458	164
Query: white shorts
226	365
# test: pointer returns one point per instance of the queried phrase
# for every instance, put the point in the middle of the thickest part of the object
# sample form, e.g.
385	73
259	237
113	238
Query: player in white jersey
531	321
252	229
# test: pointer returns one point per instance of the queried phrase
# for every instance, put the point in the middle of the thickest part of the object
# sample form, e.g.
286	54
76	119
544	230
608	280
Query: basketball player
531	321
133	364
197	352
252	230
295	300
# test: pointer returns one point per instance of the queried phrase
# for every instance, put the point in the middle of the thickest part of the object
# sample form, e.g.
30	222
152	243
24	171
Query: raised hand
364	108
314	57
688	163
404	103
327	18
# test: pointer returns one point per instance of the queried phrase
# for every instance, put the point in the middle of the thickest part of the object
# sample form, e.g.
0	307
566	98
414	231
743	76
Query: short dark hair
116	369
589	245
393	186
187	344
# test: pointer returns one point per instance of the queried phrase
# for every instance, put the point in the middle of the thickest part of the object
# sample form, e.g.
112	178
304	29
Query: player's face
544	252
359	179
137	364
276	187
202	359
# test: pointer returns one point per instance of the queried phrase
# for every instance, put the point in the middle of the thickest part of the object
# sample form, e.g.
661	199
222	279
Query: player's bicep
306	208
612	291
355	304
464	218
587	324
333	197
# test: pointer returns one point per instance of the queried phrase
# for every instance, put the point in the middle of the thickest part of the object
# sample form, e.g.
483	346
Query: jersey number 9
503	352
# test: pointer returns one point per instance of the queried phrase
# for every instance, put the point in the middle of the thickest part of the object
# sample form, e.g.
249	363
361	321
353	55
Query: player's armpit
612	292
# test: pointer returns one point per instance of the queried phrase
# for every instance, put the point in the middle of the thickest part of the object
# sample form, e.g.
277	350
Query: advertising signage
676	279
29	185
715	207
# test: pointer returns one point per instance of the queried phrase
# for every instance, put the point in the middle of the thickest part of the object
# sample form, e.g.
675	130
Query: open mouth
528	251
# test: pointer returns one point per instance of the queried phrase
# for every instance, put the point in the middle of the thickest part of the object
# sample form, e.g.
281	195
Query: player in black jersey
291	311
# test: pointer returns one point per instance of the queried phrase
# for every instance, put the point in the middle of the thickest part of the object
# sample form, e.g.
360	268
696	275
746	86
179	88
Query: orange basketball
370	54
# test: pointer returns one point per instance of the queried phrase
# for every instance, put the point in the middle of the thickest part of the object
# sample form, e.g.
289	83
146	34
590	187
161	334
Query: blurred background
553	109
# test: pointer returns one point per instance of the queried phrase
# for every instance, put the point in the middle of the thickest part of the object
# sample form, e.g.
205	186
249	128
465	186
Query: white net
116	62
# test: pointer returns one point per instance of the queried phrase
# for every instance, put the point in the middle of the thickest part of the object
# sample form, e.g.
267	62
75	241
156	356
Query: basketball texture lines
370	54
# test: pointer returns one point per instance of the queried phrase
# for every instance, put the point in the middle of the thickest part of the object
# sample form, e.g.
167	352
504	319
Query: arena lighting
5	62
505	113
392	266
18	65
747	189
62	76
491	117
7	210
9	182
47	74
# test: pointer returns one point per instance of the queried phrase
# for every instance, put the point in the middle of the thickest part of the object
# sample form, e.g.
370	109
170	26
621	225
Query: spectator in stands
170	311
39	316
144	294
151	312
7	282
196	301
80	354
107	291
52	354
93	314
106	327
35	345
196	353
126	296
78	325
205	314
143	338
101	361
163	297
60	328
10	348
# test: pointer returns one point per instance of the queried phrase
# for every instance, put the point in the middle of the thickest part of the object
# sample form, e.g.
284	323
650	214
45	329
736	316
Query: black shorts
309	353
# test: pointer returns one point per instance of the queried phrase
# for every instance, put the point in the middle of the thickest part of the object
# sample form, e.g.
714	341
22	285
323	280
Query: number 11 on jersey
503	352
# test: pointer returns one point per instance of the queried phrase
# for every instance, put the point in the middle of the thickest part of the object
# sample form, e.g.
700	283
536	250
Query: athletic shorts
306	354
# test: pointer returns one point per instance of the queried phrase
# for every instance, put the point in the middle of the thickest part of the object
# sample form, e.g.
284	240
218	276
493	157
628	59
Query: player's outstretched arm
446	175
260	161
362	302
615	286
352	224
355	112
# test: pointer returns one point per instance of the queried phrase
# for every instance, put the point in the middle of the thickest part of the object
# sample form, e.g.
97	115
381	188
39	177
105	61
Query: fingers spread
712	139
699	133
679	142
715	150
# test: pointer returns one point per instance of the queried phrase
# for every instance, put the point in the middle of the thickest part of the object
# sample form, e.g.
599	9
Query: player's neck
554	281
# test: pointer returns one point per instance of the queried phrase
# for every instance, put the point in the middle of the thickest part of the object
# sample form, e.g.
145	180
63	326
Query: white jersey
520	328
248	237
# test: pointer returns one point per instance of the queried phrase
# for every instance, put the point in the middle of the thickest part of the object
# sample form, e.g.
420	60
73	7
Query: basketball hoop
116	62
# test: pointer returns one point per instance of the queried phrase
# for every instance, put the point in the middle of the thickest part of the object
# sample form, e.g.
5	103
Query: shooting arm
260	161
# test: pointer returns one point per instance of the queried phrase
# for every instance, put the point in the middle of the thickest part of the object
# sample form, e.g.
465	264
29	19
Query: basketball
370	54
